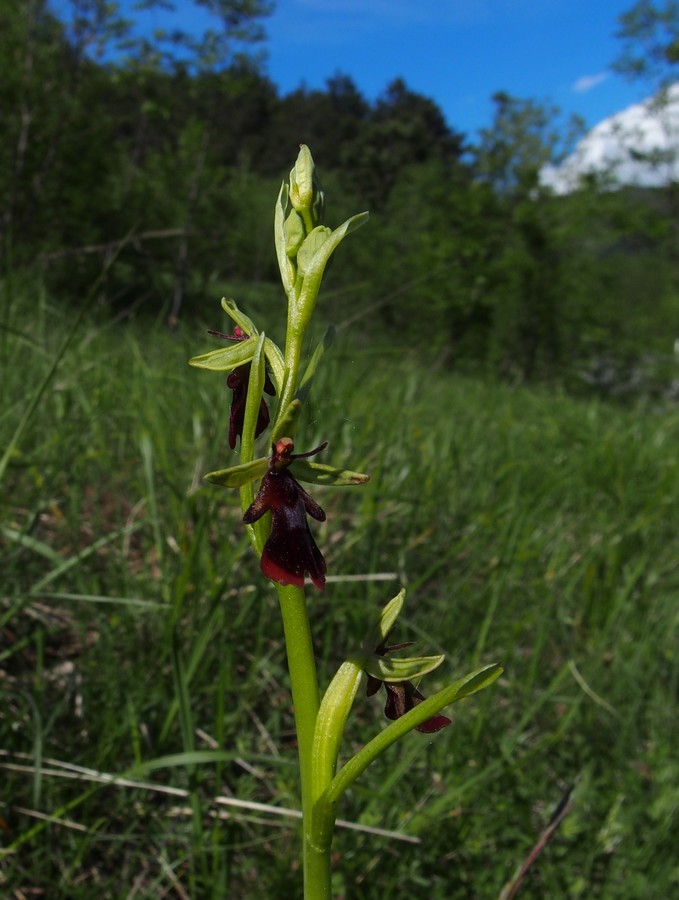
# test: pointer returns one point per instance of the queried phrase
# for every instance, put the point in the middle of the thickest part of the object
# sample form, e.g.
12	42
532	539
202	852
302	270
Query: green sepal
231	309
380	632
319	473
237	476
285	265
389	668
288	422
226	359
310	371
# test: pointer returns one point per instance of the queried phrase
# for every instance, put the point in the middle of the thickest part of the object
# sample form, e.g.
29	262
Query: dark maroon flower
238	382
402	696
290	551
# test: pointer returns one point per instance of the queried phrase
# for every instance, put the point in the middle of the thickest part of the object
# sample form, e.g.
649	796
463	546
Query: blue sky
458	52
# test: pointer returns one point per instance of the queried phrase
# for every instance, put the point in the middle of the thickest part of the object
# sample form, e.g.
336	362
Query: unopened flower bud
306	195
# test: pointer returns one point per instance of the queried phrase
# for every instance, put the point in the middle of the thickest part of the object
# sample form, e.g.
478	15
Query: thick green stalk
305	698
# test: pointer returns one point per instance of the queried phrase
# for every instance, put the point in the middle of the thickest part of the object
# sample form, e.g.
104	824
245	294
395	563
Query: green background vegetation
503	369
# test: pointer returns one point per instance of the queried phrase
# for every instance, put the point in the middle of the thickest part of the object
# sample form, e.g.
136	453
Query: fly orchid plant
275	517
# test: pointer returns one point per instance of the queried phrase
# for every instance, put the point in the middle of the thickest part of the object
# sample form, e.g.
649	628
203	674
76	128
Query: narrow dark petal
310	505
373	685
262	418
269	385
382	649
266	497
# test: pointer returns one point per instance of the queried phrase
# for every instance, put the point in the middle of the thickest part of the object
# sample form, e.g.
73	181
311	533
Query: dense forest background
157	160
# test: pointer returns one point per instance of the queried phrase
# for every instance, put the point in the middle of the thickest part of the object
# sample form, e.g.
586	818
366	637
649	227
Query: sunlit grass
138	640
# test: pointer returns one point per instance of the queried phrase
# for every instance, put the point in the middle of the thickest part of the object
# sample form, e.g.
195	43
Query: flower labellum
290	551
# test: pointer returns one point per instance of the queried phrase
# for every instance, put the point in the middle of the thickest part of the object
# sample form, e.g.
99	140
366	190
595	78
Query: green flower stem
308	219
305	698
293	355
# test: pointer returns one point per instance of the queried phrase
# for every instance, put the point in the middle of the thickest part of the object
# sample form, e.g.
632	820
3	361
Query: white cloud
587	82
639	145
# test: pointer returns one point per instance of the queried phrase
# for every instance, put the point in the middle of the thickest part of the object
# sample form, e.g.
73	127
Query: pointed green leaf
389	668
226	359
237	476
319	473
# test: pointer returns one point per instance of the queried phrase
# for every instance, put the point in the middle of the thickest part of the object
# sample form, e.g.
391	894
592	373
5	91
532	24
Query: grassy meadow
138	640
